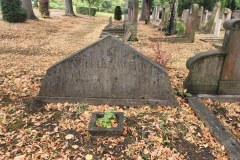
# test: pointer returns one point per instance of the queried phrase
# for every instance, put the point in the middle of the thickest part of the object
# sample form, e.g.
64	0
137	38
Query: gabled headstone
217	72
107	72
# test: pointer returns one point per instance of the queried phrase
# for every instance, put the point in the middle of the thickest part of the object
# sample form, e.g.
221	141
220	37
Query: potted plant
106	123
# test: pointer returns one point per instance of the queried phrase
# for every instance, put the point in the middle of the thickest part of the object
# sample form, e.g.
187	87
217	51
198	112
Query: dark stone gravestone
107	72
217	72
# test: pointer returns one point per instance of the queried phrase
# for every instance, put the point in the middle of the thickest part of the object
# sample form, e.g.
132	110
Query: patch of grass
15	126
102	14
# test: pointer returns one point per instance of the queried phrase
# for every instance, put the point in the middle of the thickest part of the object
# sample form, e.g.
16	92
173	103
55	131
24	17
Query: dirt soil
59	131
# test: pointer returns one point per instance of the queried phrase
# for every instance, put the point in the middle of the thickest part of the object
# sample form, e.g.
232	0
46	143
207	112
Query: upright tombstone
217	72
205	19
200	17
226	15
155	16
185	14
130	10
210	27
110	21
107	72
192	23
165	15
218	27
154	13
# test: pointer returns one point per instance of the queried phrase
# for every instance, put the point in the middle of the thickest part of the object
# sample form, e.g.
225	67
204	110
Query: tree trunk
172	19
35	3
44	8
148	11
135	19
143	12
27	4
69	8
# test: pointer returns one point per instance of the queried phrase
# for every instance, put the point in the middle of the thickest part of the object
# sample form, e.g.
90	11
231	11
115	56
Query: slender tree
44	8
143	11
148	11
69	8
27	4
171	25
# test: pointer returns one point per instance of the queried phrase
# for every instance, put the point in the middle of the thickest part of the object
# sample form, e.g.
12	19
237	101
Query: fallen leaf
69	136
20	157
89	157
75	146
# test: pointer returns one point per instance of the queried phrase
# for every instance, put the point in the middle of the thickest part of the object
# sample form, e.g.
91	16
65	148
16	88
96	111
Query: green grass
102	14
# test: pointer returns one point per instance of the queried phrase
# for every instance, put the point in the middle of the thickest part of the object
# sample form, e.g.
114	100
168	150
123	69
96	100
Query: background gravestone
210	26
192	24
217	72
107	72
165	16
185	14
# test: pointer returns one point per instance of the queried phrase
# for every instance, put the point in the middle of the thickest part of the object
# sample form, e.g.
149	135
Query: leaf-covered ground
228	114
59	131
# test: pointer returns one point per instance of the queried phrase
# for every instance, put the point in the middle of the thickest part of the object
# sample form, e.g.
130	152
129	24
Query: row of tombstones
111	72
212	22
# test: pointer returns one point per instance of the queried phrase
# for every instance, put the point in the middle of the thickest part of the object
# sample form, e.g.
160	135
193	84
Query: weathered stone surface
210	26
205	72
165	15
217	72
192	23
107	72
217	28
185	14
226	15
230	79
115	30
236	14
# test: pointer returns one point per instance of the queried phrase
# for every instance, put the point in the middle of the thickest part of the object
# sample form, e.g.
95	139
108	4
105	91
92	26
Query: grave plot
192	21
116	29
215	75
59	131
227	113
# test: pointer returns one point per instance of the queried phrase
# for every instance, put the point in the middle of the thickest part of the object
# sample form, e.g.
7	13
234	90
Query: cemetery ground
59	131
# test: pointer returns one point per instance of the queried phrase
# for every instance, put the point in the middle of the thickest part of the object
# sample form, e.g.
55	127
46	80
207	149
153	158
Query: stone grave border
220	132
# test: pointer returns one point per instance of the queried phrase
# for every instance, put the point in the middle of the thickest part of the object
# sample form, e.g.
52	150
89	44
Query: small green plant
118	13
82	106
108	120
180	27
85	10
